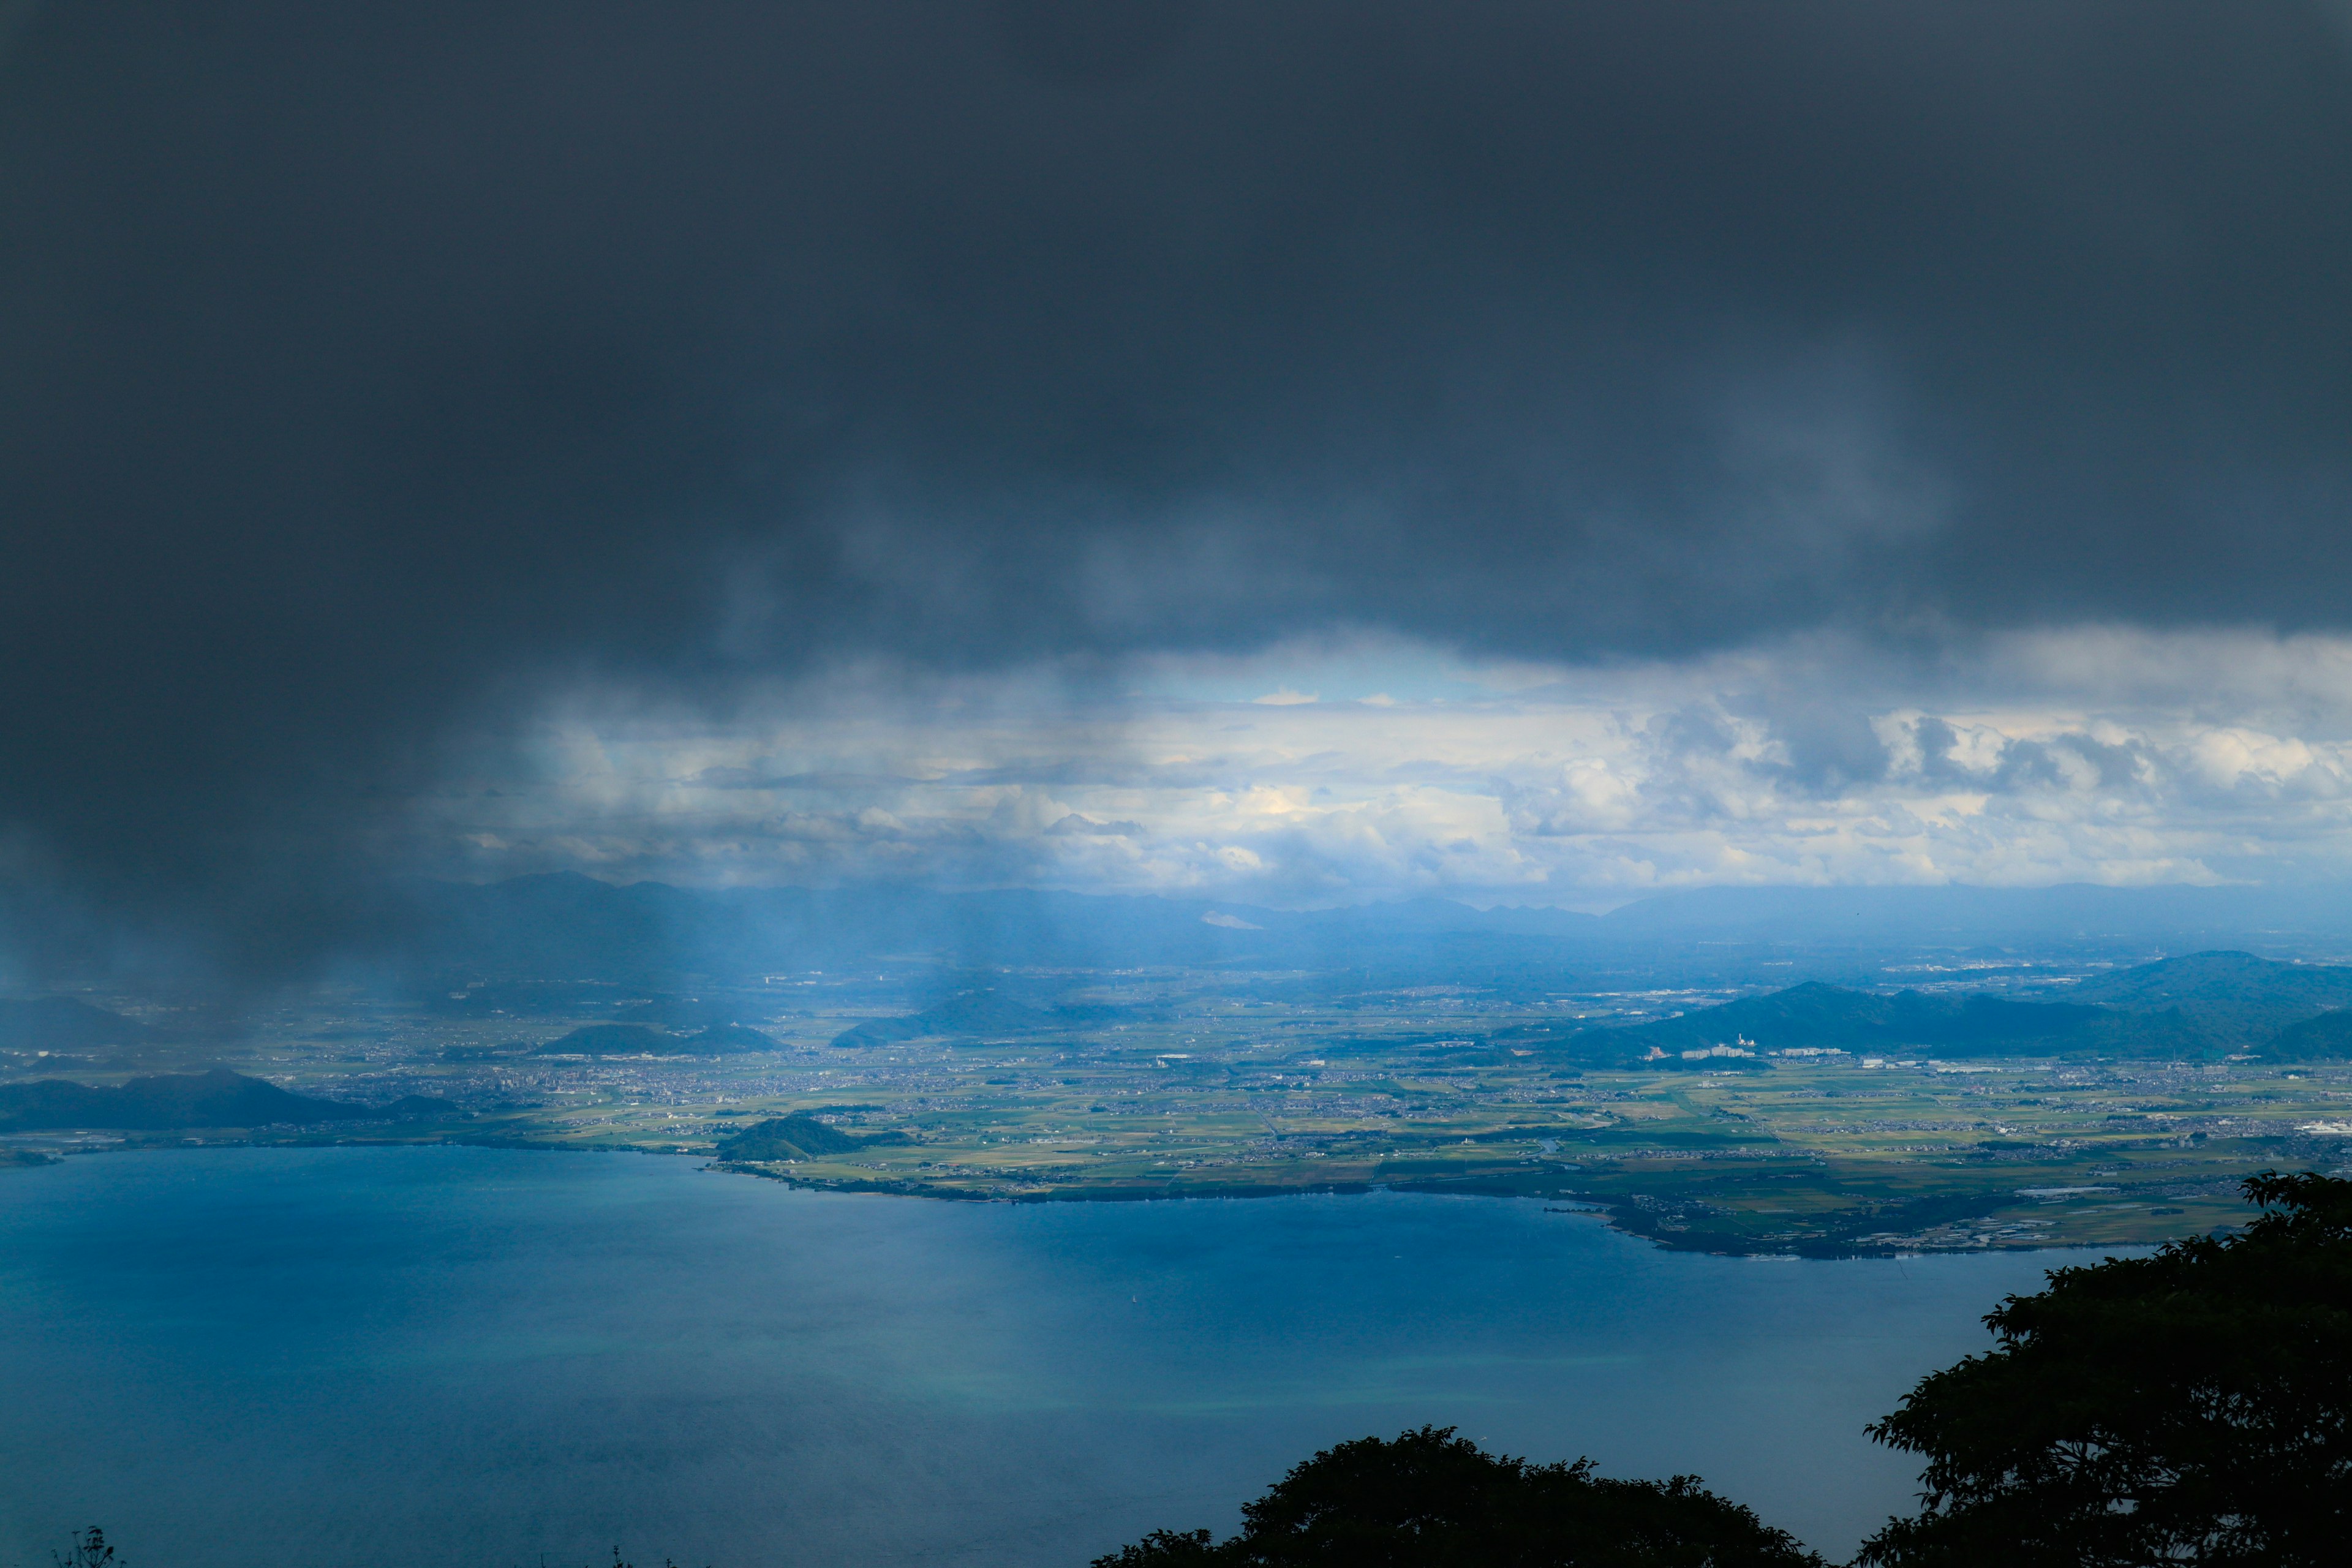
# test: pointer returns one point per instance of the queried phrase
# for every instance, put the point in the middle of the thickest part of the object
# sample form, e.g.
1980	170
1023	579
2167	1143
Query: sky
1299	452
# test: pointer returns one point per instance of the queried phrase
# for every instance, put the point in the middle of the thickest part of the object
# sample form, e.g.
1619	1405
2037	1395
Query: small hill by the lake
972	1013
65	1024
1817	1016
215	1098
796	1137
644	1039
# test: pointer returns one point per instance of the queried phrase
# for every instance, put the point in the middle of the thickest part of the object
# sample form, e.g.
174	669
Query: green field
1205	1093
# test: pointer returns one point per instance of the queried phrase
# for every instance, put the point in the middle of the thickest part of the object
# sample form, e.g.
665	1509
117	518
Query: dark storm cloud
364	370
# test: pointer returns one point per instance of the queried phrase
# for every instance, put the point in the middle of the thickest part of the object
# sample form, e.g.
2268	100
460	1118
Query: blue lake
400	1355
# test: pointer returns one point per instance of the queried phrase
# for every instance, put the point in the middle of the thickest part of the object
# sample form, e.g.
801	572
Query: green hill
795	1137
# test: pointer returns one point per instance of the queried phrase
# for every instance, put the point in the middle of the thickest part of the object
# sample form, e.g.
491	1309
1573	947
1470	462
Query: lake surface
360	1357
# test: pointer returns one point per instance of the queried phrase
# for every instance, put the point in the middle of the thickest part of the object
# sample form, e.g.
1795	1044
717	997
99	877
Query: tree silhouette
86	1550
2190	1407
1431	1499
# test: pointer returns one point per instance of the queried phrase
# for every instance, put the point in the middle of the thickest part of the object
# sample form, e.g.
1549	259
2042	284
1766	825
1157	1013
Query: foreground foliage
2190	1407
1431	1499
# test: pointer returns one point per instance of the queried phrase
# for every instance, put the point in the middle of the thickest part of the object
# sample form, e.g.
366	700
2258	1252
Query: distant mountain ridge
567	927
1817	1016
1955	915
2199	1006
644	1039
564	926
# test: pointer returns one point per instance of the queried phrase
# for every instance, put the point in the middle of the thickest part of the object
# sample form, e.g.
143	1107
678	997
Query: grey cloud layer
366	372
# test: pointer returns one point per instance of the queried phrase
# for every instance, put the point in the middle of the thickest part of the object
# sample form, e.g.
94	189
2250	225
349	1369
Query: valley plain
1142	1084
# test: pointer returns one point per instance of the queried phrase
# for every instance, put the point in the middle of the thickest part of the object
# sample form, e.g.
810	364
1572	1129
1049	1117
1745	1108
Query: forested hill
2240	1000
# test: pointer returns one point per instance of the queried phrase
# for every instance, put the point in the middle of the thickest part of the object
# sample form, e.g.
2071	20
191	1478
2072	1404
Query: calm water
417	1355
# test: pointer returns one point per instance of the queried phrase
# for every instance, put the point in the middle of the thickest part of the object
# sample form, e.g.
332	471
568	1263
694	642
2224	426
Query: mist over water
371	1356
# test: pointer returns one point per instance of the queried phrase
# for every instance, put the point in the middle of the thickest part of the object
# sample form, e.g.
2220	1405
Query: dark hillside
2327	1038
2242	1000
215	1098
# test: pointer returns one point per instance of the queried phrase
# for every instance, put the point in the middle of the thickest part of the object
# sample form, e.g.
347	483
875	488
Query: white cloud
2094	755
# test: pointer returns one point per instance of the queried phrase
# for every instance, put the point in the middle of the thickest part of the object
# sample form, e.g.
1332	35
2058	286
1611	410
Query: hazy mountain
564	941
726	1039
644	1039
1827	1017
677	1011
611	1040
215	1098
567	927
2326	1038
65	1024
527	998
1881	918
972	1013
2241	999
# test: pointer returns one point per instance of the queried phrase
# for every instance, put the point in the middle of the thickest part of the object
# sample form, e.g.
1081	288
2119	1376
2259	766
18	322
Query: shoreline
1776	1202
1625	1218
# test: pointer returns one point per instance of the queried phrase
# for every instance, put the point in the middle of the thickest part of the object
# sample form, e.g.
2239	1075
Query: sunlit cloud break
1316	776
